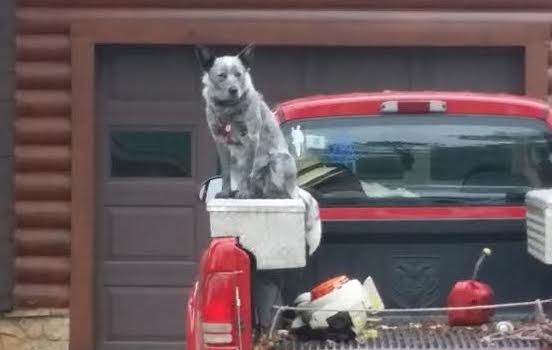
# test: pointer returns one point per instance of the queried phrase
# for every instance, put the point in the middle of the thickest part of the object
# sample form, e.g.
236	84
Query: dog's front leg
246	188
225	164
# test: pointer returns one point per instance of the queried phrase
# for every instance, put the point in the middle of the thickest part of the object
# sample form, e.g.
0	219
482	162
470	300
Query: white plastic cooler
273	230
539	224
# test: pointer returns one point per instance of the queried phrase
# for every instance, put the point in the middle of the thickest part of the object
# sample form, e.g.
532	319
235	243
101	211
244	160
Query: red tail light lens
219	311
218	303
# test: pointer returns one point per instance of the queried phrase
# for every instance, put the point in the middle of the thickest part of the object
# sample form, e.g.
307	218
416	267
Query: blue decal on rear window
342	151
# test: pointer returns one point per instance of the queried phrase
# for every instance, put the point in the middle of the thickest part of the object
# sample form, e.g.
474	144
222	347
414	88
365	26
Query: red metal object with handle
471	293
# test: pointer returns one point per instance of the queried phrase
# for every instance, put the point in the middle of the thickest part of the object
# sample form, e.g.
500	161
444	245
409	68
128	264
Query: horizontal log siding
42	163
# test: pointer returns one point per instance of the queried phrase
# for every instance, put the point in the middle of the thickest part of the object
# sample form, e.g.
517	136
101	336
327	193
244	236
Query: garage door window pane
150	153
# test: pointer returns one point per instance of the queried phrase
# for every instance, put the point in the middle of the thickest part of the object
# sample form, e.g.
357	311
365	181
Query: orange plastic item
328	286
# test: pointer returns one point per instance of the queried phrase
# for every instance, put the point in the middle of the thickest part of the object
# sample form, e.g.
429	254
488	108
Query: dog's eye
237	74
222	75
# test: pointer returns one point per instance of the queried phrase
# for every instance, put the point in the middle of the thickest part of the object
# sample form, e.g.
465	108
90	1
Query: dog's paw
223	194
243	195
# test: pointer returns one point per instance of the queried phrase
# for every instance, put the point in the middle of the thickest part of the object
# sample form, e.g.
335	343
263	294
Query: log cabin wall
42	158
42	125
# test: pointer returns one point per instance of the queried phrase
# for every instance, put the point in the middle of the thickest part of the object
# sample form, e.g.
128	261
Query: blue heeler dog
251	147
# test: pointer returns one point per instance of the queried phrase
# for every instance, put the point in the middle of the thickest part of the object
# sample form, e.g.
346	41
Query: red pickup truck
411	186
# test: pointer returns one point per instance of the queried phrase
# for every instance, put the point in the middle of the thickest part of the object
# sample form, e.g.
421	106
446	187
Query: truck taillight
413	107
219	312
223	298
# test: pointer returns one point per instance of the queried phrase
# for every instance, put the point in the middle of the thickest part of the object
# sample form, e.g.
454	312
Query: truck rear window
420	159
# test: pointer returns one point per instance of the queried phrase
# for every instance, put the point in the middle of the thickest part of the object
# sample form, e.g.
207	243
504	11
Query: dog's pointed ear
246	55
204	56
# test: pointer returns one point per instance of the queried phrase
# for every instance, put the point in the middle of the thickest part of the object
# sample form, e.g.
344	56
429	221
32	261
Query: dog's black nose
233	91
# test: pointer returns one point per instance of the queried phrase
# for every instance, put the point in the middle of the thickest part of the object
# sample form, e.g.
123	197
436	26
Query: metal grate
420	339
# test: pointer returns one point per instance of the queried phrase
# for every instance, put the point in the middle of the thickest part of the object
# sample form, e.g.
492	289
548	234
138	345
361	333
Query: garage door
155	150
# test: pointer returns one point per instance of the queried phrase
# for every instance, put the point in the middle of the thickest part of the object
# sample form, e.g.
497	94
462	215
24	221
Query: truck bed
414	264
